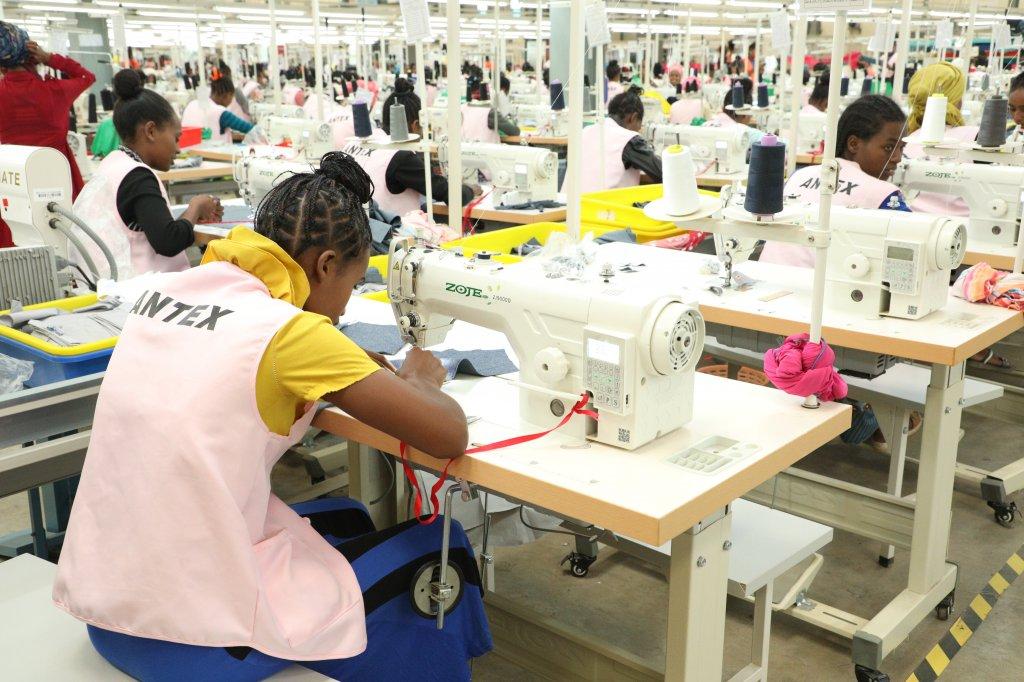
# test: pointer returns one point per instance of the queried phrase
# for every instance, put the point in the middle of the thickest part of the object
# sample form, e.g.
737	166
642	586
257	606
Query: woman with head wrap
941	78
34	110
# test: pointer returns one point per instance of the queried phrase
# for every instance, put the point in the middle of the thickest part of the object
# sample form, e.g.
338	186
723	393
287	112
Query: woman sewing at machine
125	202
179	557
626	152
614	73
817	101
729	117
34	110
1015	101
214	114
398	175
941	78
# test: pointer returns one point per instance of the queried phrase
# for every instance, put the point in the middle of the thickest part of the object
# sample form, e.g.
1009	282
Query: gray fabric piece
380	338
373	276
78	328
478	363
627	236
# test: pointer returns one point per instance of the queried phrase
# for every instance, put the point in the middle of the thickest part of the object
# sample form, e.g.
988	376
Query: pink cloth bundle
982	282
802	368
682	242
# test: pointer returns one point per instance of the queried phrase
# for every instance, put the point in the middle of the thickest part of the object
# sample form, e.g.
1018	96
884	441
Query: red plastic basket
190	137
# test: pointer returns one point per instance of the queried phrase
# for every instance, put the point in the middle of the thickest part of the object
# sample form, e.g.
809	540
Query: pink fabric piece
682	242
802	368
983	283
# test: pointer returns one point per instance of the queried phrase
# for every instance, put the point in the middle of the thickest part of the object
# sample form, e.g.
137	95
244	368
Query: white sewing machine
308	137
78	146
653	110
727	148
35	200
811	130
992	193
518	173
257	175
261	110
179	99
631	346
891	263
542	118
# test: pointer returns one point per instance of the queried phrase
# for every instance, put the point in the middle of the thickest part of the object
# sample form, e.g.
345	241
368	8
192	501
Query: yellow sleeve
307	359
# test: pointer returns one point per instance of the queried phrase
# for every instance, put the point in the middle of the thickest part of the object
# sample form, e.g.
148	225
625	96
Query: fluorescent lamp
78	9
241	9
179	15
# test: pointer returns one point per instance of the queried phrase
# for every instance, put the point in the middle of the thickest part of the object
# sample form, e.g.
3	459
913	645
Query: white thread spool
679	180
933	127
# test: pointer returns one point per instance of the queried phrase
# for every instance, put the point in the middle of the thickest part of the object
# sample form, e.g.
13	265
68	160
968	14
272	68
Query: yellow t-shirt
308	357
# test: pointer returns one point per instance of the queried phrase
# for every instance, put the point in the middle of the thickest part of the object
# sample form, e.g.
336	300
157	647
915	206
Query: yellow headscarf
941	78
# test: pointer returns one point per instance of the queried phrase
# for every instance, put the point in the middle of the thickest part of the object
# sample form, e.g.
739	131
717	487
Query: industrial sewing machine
179	99
542	118
518	173
725	148
79	147
632	347
263	110
811	130
992	193
257	175
35	202
310	138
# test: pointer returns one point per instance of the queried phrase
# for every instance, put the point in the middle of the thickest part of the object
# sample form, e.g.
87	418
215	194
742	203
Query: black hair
428	74
626	103
1017	83
504	83
322	208
136	106
403	94
223	85
748	96
864	118
613	69
820	91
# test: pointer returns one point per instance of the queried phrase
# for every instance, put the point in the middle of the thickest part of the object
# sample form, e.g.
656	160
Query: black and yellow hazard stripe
937	660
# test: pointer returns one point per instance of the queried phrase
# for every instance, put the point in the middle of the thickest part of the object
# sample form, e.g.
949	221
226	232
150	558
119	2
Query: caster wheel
886	561
419	590
579	564
945	608
866	674
1004	513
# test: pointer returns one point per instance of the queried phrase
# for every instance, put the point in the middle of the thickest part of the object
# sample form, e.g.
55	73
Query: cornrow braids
864	118
320	209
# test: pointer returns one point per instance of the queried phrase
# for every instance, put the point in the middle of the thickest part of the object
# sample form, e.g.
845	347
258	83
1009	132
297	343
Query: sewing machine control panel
903	260
606	357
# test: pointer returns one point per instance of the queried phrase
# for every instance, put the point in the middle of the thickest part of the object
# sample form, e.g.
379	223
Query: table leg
697	584
932	578
896	436
368	481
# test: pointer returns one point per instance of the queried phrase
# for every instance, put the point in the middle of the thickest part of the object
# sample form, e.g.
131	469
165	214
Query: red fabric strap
435	507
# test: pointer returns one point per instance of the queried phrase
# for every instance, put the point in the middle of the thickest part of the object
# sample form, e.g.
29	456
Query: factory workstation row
506	340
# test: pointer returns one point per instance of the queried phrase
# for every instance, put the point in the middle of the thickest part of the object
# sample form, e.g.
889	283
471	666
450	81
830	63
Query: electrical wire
55	208
73	238
552	530
389	465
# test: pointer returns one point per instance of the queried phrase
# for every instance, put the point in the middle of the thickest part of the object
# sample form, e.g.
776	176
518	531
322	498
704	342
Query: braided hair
403	94
626	103
864	118
223	85
323	208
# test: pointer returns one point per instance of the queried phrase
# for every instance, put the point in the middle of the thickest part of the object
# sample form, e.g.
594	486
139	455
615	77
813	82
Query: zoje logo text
463	290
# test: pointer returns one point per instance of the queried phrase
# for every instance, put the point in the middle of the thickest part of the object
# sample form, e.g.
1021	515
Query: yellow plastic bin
614	209
52	362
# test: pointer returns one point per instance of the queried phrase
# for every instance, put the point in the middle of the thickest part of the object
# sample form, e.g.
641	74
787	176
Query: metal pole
598	61
199	58
827	189
421	88
721	56
968	48
902	53
495	70
538	66
796	84
757	55
686	44
318	62
648	49
272	65
454	118
575	103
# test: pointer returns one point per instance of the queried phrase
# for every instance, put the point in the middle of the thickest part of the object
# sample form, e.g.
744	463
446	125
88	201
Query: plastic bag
14	373
255	136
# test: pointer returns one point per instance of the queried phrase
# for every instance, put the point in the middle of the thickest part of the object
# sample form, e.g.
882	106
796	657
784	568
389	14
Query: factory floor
623	600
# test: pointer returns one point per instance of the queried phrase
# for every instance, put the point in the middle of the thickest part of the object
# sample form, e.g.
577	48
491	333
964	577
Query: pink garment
431	94
293	94
914	149
722	120
683	242
615	172
96	205
802	368
375	162
236	109
474	125
614	88
982	282
206	115
810	109
175	534
856	189
683	111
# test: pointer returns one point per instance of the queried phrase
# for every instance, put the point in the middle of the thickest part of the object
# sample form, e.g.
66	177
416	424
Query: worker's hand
380	360
37	54
422	365
477	190
206	208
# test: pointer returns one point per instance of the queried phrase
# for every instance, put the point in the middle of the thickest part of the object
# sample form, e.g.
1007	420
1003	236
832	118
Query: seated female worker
214	113
178	556
941	78
728	117
124	201
626	152
869	145
1015	100
817	101
397	174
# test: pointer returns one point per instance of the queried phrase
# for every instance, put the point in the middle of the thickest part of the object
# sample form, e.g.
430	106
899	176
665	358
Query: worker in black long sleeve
627	153
398	177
